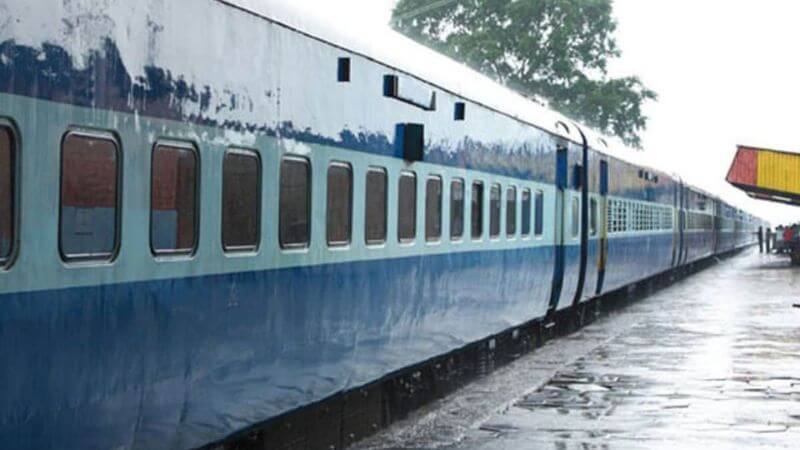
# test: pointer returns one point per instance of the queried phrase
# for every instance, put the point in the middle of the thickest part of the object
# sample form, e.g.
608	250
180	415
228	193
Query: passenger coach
201	232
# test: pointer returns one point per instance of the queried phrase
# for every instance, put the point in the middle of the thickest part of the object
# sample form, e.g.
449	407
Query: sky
726	71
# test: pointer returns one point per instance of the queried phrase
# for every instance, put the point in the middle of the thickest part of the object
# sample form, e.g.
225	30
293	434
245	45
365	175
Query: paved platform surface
711	362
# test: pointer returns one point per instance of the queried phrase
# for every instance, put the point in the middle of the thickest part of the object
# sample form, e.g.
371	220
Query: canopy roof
772	175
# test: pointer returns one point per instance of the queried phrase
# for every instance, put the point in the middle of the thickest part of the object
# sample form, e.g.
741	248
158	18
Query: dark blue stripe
633	258
179	363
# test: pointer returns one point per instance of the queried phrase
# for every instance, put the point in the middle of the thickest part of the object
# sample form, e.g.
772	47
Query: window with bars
457	209
407	207
617	216
433	209
241	200
476	216
339	208
294	207
699	221
625	216
511	211
494	211
375	205
526	212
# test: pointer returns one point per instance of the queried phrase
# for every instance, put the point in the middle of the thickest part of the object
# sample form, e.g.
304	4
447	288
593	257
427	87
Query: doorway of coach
594	193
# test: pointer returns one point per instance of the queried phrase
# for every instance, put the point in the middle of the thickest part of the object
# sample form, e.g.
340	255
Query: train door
717	226
602	227
676	229
583	182
684	200
561	211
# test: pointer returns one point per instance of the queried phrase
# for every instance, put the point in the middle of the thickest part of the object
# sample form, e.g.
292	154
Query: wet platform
713	361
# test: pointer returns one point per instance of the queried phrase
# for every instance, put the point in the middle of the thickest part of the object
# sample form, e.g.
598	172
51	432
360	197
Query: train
215	212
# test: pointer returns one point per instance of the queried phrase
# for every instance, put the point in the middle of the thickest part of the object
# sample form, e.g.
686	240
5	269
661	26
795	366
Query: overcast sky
726	71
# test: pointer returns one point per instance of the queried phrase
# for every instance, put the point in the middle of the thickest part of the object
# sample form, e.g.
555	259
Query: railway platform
711	361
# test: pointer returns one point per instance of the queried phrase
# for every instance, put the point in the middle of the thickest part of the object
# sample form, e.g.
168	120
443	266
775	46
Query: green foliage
555	50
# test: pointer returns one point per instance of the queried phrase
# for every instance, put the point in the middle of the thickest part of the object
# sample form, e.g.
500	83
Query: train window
576	213
641	219
375	205
614	216
538	227
241	201
494	211
173	200
593	217
433	209
457	209
407	207
89	219
7	194
477	210
655	218
619	216
295	203
511	211
526	212
339	210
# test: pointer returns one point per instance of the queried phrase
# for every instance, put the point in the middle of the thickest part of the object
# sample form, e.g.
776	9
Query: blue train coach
215	212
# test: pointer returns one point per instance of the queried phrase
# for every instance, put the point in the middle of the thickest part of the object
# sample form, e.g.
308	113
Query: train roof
379	42
382	44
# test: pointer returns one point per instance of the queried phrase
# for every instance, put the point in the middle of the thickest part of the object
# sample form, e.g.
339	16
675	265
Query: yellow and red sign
767	174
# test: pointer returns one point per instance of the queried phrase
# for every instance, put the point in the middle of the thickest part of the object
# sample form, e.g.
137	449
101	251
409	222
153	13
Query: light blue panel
39	236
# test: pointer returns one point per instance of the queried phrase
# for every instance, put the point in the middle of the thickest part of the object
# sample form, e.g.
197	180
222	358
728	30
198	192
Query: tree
555	50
